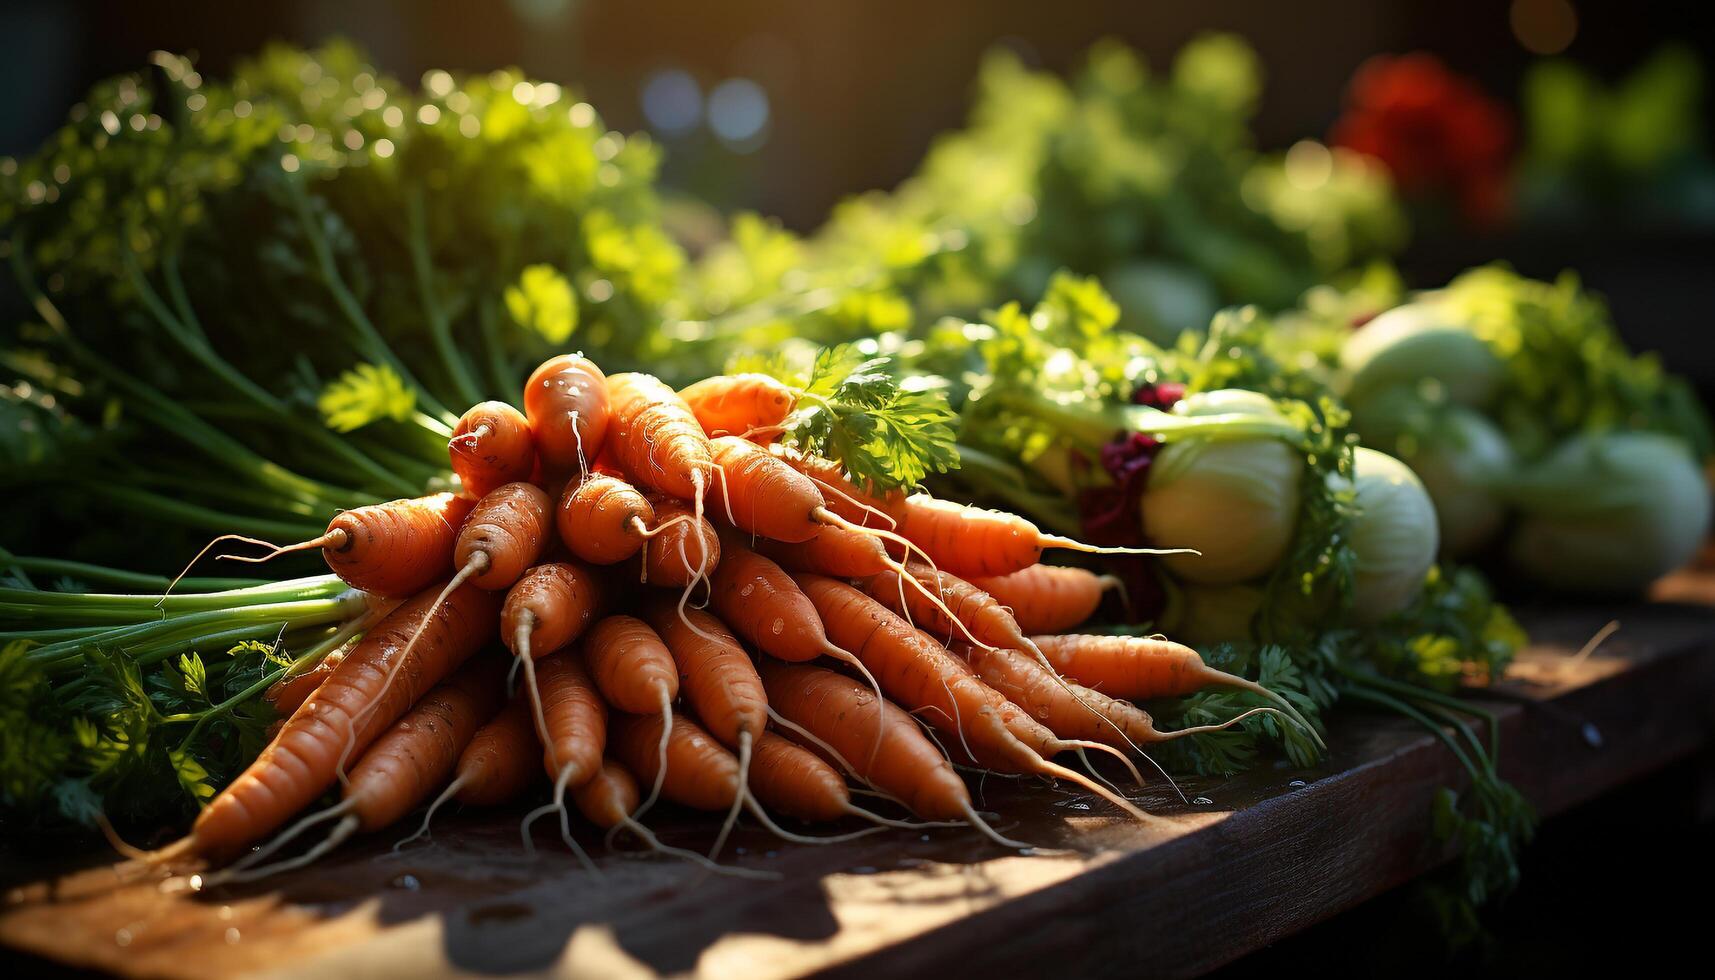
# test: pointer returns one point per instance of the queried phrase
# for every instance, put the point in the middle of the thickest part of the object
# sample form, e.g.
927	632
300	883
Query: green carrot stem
500	373
146	638
1382	699
196	516
1432	696
189	333
84	572
369	338
290	590
440	331
165	413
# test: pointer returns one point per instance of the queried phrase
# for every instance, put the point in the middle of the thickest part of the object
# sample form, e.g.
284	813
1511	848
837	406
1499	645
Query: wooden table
1244	863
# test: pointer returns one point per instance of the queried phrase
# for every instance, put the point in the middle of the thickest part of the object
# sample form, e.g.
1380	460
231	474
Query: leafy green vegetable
308	241
887	431
145	712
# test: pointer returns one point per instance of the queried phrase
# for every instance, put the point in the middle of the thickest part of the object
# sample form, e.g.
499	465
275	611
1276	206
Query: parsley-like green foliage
366	393
886	431
205	256
1567	370
145	719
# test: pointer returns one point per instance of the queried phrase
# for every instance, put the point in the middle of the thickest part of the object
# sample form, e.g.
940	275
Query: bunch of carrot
691	613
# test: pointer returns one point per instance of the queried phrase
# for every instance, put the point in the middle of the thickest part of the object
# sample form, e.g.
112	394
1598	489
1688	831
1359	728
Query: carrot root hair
1083	744
660	756
233	876
873	817
1048	767
428	815
1073	544
982	826
289	834
756	810
557	805
892	524
274	551
738	798
654	843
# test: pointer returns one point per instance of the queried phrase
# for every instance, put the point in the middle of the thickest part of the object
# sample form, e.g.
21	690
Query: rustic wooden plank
1270	853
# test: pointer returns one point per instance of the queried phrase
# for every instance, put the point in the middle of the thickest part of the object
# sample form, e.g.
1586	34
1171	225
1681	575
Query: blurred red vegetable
1436	131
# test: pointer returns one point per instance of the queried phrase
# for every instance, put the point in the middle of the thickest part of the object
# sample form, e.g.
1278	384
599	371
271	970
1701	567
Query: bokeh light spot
672	102
1308	165
738	112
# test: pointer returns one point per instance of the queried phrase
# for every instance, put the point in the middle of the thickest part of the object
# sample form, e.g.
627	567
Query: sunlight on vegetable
366	393
1233	501
1394	535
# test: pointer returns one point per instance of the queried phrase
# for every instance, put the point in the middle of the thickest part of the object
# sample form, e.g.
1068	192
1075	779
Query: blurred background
787	107
1557	133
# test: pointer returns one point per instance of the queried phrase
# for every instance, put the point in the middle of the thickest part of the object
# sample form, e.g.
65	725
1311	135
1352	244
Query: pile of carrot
629	604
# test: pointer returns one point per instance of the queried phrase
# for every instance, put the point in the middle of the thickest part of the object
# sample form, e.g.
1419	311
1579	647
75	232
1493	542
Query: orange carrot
421	750
549	606
656	438
609	798
572	723
604	519
844	497
962	609
975	542
719	682
575	718
700	772
491	446
1048	598
764	496
634	671
767	497
393	549
610	801
1069	711
716	676
302	761
505	534
921	676
841	713
683	549
500	760
566	401
630	665
796	782
737	404
759	600
1142	667
834	551
287	693
495	766
793	780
